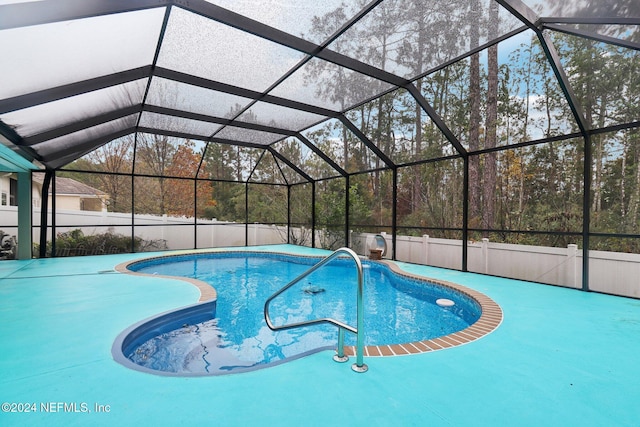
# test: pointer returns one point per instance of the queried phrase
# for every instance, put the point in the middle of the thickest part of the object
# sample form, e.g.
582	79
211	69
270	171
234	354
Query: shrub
75	243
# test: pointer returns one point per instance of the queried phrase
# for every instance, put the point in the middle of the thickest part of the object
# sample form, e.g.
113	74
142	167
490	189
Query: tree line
505	95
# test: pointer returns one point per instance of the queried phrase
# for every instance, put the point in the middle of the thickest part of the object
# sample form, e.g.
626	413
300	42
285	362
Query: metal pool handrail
359	366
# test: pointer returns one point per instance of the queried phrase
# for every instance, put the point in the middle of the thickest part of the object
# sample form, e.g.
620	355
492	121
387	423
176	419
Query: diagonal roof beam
305	60
437	120
186	135
471	52
628	44
611	20
217	120
244	23
321	154
84	124
326	43
278	165
61	157
72	89
238	91
361	67
253	169
163	32
526	15
290	164
554	61
11	135
35	13
367	142
257	28
521	11
173	133
244	125
239	143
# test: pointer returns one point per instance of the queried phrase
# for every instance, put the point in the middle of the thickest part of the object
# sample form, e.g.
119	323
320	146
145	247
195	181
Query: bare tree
114	158
153	156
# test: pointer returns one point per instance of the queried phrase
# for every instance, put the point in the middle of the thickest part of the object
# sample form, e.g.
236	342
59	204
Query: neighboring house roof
71	186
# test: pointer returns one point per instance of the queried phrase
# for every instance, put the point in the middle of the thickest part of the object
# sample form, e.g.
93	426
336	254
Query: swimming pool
229	334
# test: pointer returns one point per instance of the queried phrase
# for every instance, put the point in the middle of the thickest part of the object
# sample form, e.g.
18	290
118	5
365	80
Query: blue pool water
398	309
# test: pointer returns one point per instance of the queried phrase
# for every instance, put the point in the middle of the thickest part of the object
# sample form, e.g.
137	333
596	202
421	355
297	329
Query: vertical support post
246	213
24	216
346	210
485	255
586	212
44	214
572	265
195	213
384	236
313	214
255	233
133	179
394	214
53	212
288	214
425	248
465	214
163	233
133	210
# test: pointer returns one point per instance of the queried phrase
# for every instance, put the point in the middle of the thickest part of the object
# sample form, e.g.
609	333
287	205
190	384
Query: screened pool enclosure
500	137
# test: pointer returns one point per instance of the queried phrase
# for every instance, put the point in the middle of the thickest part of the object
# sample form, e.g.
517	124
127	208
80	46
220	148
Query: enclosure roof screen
275	74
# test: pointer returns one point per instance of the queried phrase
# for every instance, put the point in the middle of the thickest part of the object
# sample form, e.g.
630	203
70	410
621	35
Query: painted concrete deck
560	358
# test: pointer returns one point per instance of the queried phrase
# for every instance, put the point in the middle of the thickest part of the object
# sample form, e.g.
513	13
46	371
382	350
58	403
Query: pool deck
561	357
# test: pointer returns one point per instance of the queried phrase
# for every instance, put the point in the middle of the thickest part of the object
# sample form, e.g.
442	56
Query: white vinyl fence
168	232
609	272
